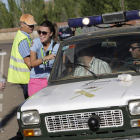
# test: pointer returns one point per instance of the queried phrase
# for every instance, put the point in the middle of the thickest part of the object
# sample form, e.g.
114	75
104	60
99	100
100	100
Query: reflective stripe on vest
19	69
16	59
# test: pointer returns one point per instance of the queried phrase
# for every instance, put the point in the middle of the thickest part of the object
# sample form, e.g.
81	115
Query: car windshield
94	57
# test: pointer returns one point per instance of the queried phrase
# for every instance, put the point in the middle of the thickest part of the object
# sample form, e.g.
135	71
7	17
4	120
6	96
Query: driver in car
85	57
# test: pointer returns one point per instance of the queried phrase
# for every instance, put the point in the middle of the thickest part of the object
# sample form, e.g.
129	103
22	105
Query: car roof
105	32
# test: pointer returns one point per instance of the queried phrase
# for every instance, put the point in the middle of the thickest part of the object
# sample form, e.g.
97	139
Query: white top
96	65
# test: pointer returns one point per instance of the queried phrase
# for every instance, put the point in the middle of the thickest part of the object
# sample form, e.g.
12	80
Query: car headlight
30	117
134	107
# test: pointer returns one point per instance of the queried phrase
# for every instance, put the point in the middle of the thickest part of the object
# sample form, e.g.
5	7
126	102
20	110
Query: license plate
67	34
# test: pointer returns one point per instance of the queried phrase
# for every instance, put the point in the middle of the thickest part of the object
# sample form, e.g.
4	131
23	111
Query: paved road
10	99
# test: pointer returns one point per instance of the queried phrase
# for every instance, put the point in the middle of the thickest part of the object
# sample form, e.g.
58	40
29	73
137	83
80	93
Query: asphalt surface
10	99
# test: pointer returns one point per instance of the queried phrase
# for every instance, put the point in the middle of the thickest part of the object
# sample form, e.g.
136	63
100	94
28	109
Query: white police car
94	86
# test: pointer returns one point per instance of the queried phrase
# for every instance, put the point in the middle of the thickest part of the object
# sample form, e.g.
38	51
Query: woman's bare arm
36	62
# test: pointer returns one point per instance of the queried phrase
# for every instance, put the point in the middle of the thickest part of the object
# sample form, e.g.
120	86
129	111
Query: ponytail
55	32
53	28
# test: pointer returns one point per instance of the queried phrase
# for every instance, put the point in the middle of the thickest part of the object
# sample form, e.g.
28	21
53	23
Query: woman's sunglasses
43	32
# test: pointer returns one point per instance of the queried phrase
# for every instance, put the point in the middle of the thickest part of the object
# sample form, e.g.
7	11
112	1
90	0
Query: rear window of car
65	30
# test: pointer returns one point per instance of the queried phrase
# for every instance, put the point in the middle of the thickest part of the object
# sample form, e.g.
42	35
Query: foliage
59	10
66	9
10	18
14	12
63	10
96	7
51	15
5	18
35	8
132	5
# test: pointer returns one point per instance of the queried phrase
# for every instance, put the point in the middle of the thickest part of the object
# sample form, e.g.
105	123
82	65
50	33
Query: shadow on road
9	116
14	138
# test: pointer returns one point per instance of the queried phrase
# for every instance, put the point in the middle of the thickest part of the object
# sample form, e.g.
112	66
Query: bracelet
43	60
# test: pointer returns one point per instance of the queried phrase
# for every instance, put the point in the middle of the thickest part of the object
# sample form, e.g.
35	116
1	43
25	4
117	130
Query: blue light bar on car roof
105	19
132	15
79	22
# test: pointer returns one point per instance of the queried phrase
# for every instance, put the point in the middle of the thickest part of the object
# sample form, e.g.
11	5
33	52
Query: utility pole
22	7
122	4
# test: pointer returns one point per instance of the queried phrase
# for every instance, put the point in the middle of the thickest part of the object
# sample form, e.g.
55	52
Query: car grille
78	121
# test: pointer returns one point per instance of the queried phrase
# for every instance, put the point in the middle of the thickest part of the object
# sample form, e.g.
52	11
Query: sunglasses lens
39	32
44	33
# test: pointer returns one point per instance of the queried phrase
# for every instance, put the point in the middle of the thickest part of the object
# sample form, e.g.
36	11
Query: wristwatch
43	60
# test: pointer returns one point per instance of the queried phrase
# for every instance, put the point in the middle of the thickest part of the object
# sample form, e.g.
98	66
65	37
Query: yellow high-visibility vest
18	71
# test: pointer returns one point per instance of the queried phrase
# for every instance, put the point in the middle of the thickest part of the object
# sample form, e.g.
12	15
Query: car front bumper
125	131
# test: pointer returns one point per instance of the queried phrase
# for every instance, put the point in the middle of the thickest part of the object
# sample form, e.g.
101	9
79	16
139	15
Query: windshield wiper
84	66
128	65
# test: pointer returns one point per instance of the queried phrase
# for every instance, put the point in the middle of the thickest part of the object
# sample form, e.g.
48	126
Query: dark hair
53	28
85	51
135	39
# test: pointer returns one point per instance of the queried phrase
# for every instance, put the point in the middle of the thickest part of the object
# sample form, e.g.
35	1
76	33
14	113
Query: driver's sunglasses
43	32
133	48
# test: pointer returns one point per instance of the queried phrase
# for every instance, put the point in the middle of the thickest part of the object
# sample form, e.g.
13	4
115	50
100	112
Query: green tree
59	10
50	14
62	10
130	5
35	8
96	7
65	9
15	12
5	18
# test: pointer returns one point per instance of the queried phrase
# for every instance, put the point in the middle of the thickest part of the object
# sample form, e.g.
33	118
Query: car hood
84	95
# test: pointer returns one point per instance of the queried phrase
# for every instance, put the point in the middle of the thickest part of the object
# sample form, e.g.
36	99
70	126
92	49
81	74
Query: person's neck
46	44
23	30
87	60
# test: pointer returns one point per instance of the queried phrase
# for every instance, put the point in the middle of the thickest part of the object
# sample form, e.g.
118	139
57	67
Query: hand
49	57
2	85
